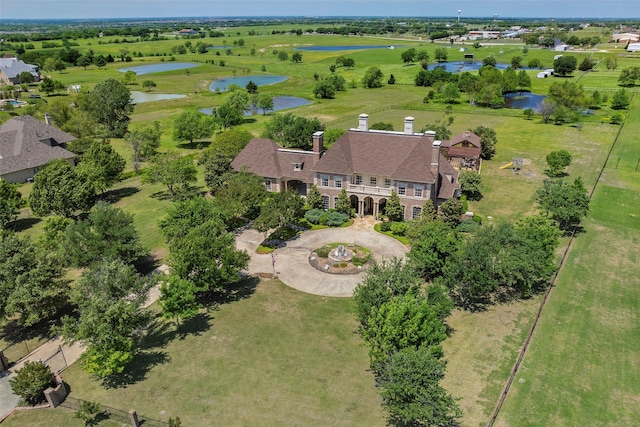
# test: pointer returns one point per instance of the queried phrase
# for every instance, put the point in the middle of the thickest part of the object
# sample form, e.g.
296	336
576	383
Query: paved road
292	265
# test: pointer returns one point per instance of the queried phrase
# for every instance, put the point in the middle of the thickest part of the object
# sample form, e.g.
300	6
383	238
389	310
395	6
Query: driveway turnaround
292	261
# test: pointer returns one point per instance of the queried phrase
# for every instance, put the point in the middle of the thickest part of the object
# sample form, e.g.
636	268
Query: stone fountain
341	254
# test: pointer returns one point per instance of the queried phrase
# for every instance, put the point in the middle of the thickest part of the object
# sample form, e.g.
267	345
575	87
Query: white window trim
328	199
387	182
415	215
267	184
404	186
322	179
373	181
418	188
337	180
358	180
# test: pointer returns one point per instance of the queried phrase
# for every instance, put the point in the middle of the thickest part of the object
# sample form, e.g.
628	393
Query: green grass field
277	357
583	364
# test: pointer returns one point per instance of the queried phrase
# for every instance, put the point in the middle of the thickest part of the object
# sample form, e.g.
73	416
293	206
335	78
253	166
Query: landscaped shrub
360	260
314	216
283	233
477	218
323	252
385	226
336	219
31	381
399	228
468	226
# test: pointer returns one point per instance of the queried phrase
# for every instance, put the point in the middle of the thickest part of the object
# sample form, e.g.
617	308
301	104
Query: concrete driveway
292	264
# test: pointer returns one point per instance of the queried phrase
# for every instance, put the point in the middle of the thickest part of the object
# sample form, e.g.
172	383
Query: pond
462	66
223	84
138	97
279	103
158	68
524	100
356	47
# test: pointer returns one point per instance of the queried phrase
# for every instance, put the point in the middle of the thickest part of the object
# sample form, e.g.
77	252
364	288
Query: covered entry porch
368	205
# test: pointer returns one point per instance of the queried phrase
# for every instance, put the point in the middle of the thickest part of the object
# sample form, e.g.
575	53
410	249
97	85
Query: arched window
415	212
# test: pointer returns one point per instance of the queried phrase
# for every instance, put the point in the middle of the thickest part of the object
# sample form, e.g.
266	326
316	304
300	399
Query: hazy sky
60	9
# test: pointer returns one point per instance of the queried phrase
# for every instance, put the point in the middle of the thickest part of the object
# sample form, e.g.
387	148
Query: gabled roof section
12	67
264	158
26	142
396	155
466	136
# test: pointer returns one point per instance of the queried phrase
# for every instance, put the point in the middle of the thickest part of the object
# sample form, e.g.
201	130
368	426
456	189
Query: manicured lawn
50	417
279	357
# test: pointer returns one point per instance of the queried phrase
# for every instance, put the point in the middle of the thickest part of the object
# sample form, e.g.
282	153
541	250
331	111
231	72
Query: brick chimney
408	125
435	164
363	122
318	145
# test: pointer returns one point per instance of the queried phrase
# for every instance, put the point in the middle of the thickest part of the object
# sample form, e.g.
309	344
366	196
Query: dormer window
297	166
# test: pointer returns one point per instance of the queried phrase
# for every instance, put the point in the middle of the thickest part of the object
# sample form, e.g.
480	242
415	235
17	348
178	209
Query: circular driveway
292	265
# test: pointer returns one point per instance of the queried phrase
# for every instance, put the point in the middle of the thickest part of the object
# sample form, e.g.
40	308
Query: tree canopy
372	78
112	106
61	190
565	65
565	202
171	169
292	131
101	165
191	125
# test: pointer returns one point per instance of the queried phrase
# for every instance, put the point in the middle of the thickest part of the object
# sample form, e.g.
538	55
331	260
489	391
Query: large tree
488	141
207	256
432	242
411	391
381	283
557	162
292	131
109	297
565	65
372	78
31	381
405	321
102	165
185	215
112	106
31	288
61	190
108	232
10	202
471	184
192	124
567	94
178	299
565	202
144	141
171	169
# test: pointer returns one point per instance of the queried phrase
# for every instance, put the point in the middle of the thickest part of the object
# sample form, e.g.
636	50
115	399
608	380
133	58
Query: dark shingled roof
404	157
26	142
472	152
264	158
467	136
447	188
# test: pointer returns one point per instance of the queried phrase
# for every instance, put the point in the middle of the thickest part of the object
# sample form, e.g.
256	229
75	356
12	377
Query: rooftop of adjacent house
12	67
395	155
26	142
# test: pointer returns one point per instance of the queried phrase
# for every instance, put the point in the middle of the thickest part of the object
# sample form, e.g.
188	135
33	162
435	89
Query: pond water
524	100
357	47
158	68
462	66
138	97
223	84
279	103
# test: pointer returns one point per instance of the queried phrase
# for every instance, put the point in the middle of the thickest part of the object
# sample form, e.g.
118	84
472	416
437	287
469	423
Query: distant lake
138	97
462	66
524	100
279	103
223	84
360	47
159	68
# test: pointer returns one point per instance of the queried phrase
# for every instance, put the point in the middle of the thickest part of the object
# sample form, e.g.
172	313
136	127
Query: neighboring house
368	164
624	38
561	48
26	144
187	32
463	151
10	69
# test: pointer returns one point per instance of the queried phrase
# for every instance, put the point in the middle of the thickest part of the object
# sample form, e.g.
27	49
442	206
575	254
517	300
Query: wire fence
114	414
56	362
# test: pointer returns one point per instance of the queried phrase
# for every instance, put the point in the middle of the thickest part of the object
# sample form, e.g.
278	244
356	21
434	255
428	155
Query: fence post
4	362
133	417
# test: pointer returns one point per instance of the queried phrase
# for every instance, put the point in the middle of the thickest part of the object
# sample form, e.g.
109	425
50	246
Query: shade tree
567	203
291	131
101	165
557	161
191	125
171	169
112	106
59	189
